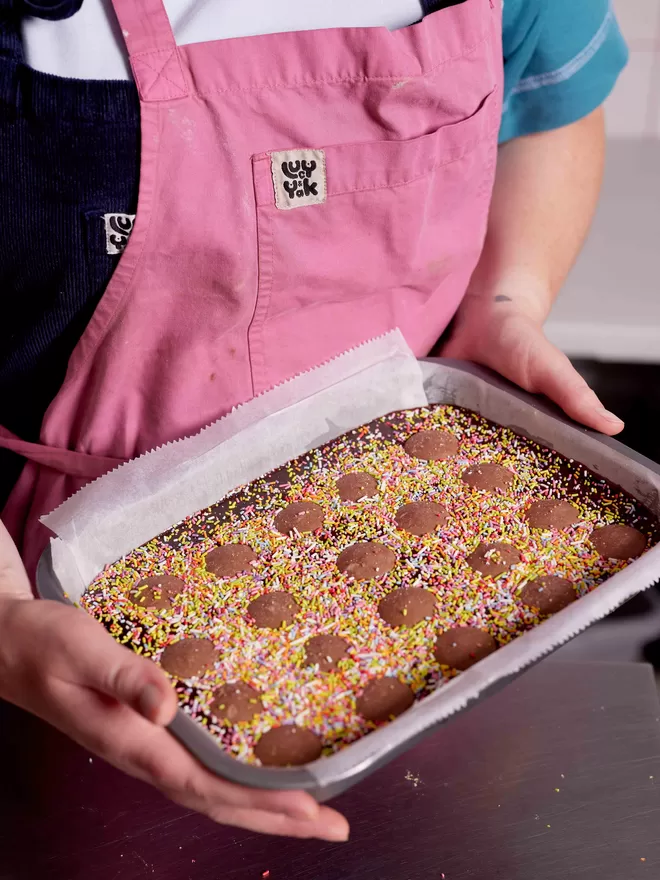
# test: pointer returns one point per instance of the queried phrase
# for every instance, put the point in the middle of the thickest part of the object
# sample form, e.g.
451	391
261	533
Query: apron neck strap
144	25
152	49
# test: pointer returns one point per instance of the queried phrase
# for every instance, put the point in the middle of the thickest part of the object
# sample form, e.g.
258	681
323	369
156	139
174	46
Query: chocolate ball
552	513
421	517
384	699
463	646
548	594
188	658
487	477
236	702
229	560
300	516
356	486
366	560
273	610
288	746
407	606
493	559
157	592
431	445
618	541
325	651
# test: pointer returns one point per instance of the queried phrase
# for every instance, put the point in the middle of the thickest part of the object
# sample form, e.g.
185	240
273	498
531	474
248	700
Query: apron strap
66	461
152	49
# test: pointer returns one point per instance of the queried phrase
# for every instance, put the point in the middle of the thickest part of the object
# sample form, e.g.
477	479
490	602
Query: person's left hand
510	340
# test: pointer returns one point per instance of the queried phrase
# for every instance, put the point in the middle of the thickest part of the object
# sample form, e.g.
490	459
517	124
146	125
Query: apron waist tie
66	461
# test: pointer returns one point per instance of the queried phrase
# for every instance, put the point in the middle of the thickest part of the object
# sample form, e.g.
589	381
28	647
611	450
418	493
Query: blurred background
607	318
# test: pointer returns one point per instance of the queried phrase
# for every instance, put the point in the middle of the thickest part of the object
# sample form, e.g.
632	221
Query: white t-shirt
89	44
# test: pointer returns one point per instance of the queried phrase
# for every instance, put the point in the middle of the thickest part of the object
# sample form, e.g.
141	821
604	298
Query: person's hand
60	664
509	339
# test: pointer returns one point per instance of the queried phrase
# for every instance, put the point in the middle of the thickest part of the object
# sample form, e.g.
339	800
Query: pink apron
299	194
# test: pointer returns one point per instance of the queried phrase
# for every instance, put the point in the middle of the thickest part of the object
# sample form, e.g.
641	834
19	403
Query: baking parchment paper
143	497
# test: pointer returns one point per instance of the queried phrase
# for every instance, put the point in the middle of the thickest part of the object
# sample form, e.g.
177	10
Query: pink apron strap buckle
152	49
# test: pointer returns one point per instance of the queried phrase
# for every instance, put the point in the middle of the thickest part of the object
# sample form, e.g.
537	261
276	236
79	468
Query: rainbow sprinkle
273	662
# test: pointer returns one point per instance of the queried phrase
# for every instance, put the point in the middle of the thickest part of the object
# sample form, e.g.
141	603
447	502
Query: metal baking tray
479	390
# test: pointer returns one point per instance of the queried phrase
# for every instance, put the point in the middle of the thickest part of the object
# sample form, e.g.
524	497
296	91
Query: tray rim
204	746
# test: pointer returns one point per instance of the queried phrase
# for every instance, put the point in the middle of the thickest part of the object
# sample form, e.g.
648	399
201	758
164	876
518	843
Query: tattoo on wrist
502	299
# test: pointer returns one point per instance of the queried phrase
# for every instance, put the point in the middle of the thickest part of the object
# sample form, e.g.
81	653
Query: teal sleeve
561	60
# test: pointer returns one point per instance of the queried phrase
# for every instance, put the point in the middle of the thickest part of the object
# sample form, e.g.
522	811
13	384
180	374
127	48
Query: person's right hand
61	664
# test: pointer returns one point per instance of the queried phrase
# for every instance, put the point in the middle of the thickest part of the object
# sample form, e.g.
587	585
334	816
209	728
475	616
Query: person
310	175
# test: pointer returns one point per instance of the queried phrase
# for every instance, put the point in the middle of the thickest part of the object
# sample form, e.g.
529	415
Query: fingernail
336	835
610	416
149	702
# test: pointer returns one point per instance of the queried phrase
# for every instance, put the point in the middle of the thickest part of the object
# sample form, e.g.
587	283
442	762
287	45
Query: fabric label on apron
117	229
298	178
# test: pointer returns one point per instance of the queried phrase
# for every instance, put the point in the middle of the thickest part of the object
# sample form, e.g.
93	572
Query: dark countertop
556	776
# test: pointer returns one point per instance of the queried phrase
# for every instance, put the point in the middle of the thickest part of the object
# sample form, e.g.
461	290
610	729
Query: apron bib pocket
377	231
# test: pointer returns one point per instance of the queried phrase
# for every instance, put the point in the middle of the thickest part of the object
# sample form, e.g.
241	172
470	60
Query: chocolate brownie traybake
322	600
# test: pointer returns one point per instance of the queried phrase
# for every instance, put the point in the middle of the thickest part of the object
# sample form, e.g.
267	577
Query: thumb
551	373
115	671
14	581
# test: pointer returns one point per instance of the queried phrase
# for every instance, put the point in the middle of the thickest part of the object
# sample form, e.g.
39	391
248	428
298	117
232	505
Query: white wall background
609	308
634	106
